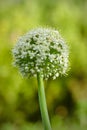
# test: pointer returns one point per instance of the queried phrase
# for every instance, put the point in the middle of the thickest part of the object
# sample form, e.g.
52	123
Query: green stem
42	102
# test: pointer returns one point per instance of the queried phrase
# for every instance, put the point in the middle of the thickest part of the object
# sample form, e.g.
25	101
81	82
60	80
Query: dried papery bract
43	53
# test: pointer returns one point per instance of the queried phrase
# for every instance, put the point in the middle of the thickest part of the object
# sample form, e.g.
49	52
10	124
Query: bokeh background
66	96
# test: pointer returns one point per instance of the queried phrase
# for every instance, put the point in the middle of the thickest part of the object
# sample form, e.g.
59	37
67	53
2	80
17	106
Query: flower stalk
42	103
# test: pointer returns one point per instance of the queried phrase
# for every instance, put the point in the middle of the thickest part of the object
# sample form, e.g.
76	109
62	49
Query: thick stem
42	103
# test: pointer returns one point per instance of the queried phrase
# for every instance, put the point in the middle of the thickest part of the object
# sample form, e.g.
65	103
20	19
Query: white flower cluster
41	50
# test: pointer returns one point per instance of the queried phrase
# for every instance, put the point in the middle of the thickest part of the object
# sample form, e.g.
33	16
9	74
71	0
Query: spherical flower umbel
41	50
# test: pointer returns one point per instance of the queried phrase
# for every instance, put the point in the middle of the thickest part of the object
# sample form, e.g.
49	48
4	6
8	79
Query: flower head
41	50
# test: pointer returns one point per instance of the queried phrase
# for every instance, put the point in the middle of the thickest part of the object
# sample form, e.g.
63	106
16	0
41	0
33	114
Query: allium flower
43	53
41	50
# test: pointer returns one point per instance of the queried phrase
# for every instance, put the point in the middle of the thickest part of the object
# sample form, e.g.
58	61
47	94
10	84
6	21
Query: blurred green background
66	96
